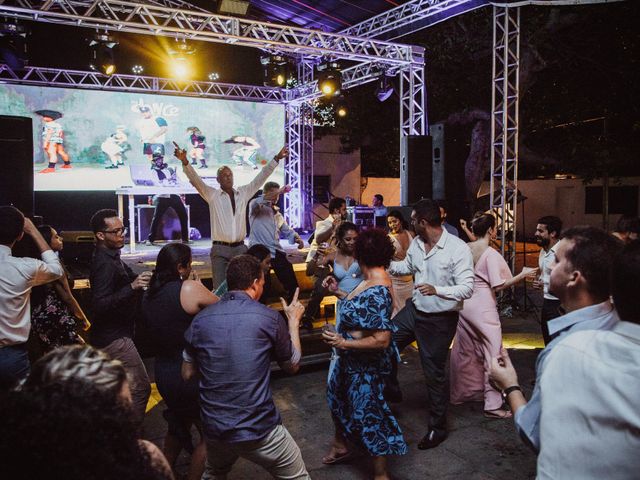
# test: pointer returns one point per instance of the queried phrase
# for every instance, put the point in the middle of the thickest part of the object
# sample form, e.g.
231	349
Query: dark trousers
433	332
14	365
162	204
284	271
317	294
550	310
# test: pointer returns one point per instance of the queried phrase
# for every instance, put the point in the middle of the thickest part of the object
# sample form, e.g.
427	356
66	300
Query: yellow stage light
180	68
342	111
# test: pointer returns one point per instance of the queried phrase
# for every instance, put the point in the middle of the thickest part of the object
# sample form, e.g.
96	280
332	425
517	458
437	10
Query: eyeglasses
117	231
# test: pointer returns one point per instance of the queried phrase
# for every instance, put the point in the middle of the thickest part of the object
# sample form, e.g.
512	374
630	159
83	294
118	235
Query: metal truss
299	168
411	17
136	83
413	118
151	19
504	127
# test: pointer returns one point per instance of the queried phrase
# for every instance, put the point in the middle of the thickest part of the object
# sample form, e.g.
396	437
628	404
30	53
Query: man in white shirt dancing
443	268
227	207
19	275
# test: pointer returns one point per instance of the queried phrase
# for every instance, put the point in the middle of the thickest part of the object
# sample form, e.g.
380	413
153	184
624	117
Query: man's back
590	422
233	343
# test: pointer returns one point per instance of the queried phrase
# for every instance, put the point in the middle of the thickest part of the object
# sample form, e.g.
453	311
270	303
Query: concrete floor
477	448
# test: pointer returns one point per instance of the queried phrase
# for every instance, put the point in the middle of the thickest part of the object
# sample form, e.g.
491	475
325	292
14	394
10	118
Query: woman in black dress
171	302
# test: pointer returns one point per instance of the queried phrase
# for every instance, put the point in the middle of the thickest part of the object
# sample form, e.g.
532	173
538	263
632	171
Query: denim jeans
14	365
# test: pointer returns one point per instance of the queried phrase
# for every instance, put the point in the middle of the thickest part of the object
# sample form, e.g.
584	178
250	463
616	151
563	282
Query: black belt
227	244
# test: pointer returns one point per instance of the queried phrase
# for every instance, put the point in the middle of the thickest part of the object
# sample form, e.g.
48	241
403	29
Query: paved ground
477	448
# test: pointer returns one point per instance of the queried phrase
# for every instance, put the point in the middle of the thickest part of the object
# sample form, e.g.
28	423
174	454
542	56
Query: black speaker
419	167
16	180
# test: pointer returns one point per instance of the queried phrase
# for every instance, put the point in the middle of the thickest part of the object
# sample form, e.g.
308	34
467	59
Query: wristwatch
508	390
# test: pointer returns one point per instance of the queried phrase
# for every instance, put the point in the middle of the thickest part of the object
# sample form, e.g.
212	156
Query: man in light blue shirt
267	225
592	429
580	279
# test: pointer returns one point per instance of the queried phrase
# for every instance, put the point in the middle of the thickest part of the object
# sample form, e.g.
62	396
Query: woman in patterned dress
55	312
363	340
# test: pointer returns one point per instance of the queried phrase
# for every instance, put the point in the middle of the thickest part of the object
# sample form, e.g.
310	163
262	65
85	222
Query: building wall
564	198
344	169
389	188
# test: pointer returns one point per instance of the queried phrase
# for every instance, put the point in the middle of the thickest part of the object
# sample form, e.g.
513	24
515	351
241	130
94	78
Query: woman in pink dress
479	335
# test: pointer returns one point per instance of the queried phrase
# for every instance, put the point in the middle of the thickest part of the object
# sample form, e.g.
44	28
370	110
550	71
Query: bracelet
508	390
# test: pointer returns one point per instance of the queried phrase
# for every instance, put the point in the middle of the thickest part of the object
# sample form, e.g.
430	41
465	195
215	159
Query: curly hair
374	248
71	432
78	364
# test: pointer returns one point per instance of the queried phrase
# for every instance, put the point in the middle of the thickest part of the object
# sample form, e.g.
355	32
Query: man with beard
547	236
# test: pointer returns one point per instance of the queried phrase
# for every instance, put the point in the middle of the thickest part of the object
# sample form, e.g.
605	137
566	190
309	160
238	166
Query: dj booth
144	212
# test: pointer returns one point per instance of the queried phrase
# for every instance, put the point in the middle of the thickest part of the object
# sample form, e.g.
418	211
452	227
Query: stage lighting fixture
103	58
180	68
276	70
181	55
340	106
13	44
329	79
137	69
385	88
213	76
233	7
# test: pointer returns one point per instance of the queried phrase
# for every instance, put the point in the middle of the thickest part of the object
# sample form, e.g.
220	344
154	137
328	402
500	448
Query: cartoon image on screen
100	140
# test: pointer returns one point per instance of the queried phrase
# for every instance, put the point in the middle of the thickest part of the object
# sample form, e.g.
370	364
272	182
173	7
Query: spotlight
137	69
102	45
385	88
180	58
275	69
213	76
13	44
180	68
340	106
329	79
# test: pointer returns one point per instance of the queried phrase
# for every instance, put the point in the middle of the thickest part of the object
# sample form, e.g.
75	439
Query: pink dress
479	335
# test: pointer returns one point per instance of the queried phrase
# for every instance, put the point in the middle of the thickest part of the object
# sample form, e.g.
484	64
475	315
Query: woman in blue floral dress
365	348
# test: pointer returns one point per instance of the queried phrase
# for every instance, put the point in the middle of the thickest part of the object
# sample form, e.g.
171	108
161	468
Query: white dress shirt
322	227
590	425
227	226
545	260
18	276
448	266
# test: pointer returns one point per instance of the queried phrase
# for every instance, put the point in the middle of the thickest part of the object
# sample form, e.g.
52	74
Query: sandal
499	413
337	458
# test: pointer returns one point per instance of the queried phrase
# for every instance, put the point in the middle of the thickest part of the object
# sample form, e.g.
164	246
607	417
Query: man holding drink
115	299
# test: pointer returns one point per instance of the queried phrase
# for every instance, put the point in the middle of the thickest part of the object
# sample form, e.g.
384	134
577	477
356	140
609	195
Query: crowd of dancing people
78	411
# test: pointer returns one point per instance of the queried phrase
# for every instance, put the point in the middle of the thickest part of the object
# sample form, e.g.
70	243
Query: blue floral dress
356	383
